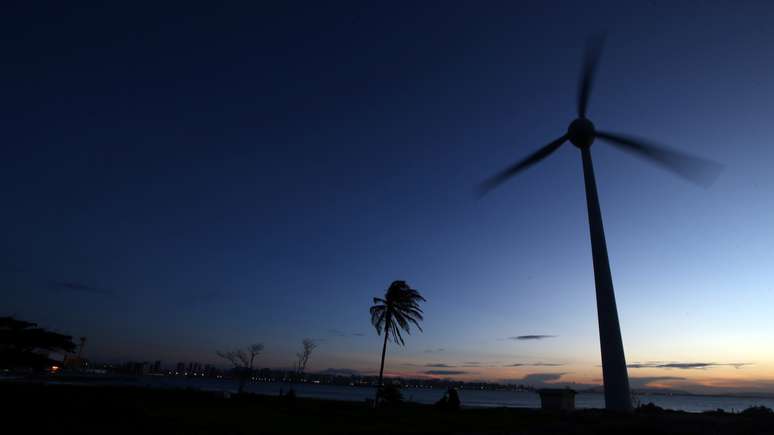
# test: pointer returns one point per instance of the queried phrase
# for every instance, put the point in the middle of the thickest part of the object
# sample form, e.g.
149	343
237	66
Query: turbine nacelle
581	133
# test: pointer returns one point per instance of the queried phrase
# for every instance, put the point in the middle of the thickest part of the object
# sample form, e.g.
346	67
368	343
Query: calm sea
469	398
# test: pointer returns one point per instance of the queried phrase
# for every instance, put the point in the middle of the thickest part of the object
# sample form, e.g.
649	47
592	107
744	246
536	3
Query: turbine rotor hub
581	133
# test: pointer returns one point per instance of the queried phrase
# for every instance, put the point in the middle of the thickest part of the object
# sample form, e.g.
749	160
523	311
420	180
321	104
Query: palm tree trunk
384	351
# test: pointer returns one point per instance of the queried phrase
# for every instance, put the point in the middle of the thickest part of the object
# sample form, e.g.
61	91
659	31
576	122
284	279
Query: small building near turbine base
557	399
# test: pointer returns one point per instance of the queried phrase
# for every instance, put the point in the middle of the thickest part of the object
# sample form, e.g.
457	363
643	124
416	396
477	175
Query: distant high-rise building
135	368
181	368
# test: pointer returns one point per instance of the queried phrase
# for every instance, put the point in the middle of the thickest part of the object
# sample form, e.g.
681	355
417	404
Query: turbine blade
696	169
593	52
517	167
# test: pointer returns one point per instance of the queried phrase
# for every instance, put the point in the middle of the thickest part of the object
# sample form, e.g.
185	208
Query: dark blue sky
180	179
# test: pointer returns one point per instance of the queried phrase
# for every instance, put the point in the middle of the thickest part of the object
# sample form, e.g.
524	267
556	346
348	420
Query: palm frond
397	311
378	315
396	335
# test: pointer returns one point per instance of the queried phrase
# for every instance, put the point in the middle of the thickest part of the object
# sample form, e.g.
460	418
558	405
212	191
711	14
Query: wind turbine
582	134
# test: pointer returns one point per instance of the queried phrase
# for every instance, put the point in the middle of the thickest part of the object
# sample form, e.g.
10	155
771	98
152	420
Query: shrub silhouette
389	395
450	401
649	408
757	411
453	403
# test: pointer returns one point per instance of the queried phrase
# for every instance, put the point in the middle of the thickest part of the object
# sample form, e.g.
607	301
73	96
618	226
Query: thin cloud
440	349
532	337
358	334
537	364
477	364
61	285
538	379
684	365
543	377
739	365
57	285
649	381
446	372
468	364
336	333
79	287
340	372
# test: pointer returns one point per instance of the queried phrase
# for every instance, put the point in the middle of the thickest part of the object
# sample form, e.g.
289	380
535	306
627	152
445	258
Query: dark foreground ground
60	409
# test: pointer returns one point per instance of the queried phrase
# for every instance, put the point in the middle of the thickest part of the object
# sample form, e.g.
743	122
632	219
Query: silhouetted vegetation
450	401
649	408
389	395
242	360
290	398
395	312
302	359
758	410
25	345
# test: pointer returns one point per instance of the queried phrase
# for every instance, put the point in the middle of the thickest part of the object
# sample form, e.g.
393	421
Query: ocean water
469	398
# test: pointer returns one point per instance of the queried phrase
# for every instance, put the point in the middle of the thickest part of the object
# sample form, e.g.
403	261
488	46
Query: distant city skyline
649	384
652	375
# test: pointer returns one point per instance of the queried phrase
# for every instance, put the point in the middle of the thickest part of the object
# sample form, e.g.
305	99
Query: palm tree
398	309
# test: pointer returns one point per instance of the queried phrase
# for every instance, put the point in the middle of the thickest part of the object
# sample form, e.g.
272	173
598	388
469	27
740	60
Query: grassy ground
61	409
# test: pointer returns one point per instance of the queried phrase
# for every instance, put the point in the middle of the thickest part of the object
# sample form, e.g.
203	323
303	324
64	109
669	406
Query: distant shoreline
650	392
471	398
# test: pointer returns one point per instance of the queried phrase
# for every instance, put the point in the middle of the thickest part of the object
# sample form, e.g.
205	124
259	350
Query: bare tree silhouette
303	356
242	359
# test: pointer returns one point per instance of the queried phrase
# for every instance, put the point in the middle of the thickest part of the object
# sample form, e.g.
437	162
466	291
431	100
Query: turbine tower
582	133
